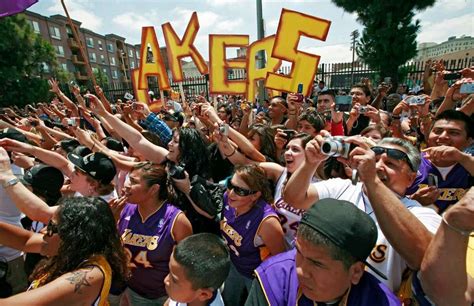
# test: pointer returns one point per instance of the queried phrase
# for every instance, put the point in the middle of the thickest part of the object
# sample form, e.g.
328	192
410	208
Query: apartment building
455	49
109	53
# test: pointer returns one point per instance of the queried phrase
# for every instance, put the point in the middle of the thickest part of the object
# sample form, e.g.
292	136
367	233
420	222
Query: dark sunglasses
393	153
51	228
238	190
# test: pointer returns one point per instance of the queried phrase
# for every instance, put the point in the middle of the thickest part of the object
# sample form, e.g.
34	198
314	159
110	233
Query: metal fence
338	76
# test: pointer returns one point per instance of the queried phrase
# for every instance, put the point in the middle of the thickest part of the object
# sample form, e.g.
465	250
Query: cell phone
128	96
71	121
416	100
289	134
452	76
432	180
343	103
299	93
88	102
467	88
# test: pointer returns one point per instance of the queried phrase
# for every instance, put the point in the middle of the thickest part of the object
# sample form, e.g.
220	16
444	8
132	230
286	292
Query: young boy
198	266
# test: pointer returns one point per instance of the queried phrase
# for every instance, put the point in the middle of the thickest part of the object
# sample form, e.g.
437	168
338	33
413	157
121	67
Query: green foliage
389	36
101	78
23	56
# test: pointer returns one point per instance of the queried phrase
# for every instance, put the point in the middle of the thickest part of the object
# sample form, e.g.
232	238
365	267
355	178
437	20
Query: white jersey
383	257
216	301
289	216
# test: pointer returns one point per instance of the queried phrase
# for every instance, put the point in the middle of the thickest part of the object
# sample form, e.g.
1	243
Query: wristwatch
11	182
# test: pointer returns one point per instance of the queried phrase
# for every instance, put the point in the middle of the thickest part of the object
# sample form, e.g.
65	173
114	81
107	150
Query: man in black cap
334	239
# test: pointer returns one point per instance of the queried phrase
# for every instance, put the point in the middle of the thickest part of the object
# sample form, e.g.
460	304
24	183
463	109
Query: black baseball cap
13	134
45	180
69	144
113	144
97	165
346	226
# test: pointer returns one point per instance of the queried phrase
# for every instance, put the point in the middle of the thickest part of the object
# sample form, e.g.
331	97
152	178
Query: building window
92	57
137	53
112	61
104	70
102	59
64	66
69	31
110	47
90	42
54	32
35	26
114	74
130	52
99	45
95	69
59	50
132	65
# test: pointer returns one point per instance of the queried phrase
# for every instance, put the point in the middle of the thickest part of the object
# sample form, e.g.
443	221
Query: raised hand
54	86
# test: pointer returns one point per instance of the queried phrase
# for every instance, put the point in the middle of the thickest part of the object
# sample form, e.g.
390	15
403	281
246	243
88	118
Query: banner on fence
283	46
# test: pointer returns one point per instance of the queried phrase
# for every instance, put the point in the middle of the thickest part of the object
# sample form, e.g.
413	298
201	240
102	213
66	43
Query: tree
101	78
389	37
25	58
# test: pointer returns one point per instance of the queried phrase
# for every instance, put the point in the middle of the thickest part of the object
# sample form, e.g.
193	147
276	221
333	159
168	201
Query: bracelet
457	230
233	152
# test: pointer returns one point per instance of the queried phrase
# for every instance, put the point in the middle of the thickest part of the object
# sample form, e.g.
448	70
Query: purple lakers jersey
240	233
279	281
149	244
452	187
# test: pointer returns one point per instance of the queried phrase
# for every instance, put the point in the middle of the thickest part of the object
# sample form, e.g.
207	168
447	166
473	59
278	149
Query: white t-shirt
383	257
10	214
217	301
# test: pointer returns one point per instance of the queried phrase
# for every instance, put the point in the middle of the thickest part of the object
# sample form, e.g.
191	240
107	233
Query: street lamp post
261	53
354	36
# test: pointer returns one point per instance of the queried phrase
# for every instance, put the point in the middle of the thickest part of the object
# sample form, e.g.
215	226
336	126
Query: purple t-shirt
240	234
279	281
149	244
452	189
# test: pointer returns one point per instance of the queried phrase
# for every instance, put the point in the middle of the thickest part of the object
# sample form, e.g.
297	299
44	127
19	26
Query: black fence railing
338	76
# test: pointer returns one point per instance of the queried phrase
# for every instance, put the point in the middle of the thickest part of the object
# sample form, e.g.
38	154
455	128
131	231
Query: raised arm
443	271
24	199
150	151
48	157
20	239
299	192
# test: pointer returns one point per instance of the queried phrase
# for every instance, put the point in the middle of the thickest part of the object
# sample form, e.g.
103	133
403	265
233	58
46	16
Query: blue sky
126	17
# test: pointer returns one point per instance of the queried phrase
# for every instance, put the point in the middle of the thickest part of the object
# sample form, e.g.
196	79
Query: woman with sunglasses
250	227
83	249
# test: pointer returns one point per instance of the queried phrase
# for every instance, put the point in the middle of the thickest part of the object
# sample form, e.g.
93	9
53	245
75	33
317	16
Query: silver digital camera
335	146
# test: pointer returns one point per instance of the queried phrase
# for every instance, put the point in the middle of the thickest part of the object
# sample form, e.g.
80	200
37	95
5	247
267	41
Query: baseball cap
97	165
113	144
45	180
81	150
13	134
69	144
346	226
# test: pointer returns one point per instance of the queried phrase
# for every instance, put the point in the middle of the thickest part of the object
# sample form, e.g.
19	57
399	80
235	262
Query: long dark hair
86	227
267	144
194	154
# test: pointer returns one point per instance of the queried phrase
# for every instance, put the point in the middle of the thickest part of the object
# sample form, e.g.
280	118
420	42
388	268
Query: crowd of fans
289	201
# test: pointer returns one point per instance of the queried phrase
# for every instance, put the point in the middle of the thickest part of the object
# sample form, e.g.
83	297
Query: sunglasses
393	153
51	229
239	190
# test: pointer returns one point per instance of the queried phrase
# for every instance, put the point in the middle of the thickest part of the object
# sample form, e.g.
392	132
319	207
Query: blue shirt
157	126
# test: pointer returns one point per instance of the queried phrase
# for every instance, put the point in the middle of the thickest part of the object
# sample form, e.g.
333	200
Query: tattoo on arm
79	279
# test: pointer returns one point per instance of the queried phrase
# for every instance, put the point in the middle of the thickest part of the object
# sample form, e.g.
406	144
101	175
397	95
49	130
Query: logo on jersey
150	242
379	253
231	232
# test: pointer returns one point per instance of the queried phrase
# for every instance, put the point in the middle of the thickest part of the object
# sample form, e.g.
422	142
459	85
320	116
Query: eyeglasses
395	154
51	228
239	190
